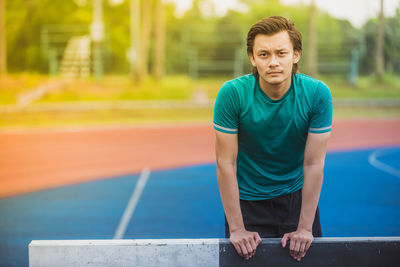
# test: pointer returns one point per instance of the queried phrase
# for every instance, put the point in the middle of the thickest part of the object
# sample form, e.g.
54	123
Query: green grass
144	116
119	87
108	89
114	88
367	87
15	84
365	113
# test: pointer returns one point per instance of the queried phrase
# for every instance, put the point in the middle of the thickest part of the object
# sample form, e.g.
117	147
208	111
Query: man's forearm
228	187
313	176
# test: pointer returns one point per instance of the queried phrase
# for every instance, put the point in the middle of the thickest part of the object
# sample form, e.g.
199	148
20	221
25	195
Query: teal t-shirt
272	134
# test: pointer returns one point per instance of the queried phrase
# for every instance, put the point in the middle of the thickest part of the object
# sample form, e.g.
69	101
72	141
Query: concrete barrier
365	251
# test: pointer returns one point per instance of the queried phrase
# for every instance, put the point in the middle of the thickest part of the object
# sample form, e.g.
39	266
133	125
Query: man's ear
251	57
296	56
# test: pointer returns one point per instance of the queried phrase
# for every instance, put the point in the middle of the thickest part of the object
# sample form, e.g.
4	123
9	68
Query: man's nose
273	61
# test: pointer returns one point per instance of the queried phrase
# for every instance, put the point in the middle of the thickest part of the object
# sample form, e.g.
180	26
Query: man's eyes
281	53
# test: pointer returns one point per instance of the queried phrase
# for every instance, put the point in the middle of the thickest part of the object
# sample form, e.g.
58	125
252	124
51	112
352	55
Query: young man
272	129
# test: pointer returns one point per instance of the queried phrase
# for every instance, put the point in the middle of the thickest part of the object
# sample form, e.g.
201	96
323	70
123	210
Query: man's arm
314	160
313	167
226	147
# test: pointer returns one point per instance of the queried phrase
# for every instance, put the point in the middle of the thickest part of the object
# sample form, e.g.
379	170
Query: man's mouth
274	72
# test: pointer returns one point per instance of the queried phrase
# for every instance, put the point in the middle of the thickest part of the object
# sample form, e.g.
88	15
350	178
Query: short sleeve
321	118
226	110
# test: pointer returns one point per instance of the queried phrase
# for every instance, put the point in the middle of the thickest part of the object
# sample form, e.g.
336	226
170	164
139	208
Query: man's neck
275	91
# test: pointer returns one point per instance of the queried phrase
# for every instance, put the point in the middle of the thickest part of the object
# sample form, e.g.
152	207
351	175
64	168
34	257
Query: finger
244	250
249	247
302	253
252	254
295	255
253	243
297	246
238	249
284	239
292	254
308	246
292	244
253	246
258	239
303	246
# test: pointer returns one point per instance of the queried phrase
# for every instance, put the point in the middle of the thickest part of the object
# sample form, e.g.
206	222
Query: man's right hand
245	242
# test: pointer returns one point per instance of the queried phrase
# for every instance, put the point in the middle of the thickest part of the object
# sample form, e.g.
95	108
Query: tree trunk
145	39
312	42
379	47
159	32
3	47
134	49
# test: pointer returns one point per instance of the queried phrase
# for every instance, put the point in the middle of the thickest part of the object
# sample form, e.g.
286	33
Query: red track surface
31	161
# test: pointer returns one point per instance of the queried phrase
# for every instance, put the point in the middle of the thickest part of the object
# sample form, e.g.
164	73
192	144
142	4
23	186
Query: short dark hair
272	25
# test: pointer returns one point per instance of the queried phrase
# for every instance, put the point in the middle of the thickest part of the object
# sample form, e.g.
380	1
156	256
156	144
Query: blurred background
85	62
96	94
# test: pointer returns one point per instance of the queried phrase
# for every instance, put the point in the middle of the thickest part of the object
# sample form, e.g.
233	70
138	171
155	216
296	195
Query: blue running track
360	197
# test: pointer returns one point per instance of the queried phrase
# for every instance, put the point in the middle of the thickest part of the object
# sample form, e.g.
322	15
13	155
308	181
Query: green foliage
24	21
175	52
213	38
391	49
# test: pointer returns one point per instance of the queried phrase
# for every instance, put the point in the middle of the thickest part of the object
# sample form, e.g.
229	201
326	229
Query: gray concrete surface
168	252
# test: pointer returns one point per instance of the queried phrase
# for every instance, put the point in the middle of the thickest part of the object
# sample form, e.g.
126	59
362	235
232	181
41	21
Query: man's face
273	56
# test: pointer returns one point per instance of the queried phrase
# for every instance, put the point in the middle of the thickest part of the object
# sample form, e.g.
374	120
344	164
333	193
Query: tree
144	40
134	23
159	40
3	48
379	47
312	41
391	48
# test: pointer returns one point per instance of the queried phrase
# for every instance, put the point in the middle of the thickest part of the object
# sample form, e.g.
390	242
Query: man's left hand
300	242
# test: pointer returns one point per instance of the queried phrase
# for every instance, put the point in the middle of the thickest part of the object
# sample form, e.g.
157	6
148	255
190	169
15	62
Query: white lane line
373	160
130	208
